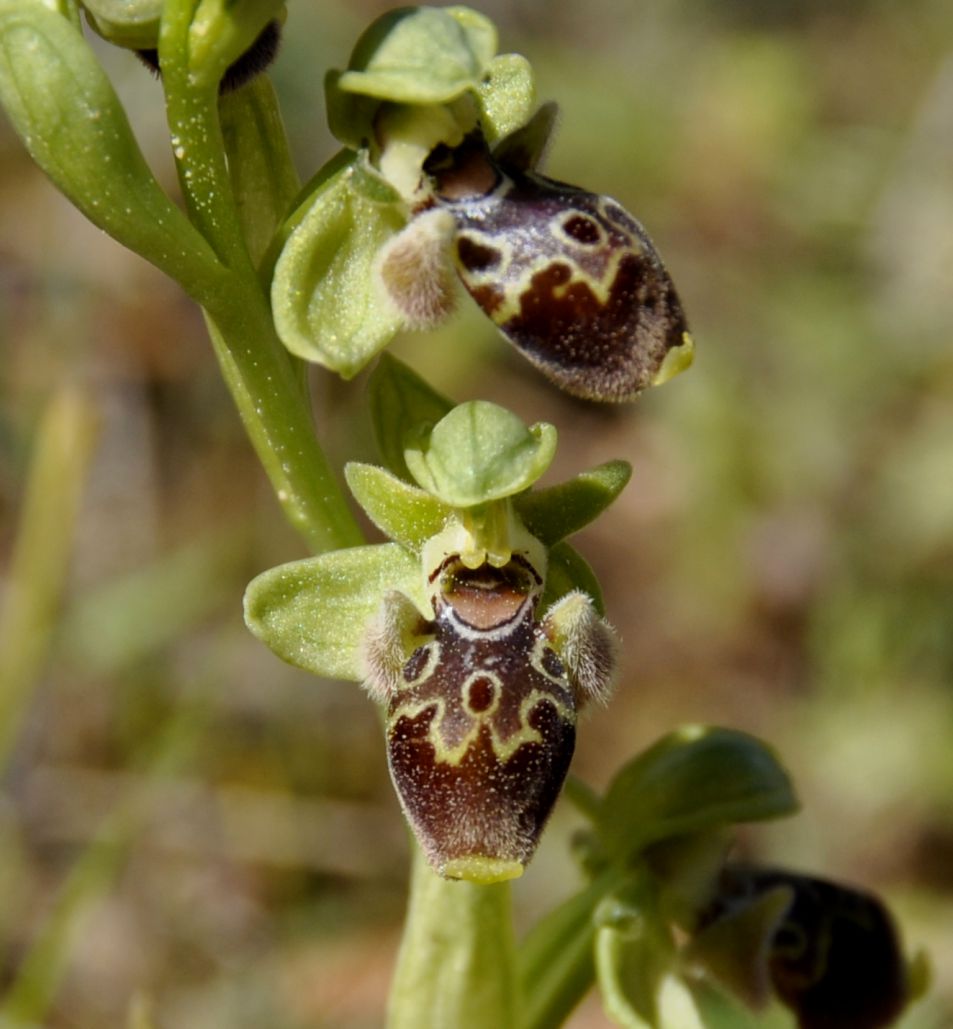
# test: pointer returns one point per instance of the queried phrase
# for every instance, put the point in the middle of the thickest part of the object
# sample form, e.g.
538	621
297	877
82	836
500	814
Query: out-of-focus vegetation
193	834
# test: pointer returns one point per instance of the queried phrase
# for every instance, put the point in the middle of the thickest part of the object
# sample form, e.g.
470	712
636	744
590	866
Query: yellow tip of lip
676	360
482	870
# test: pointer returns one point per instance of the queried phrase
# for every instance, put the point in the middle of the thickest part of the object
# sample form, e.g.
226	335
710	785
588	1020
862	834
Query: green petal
402	512
313	613
327	304
403	409
634	955
506	96
480	452
559	511
693	779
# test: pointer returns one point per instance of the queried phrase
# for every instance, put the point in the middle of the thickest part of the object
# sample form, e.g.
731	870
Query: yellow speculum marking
502	749
433	658
471	683
536	660
516	284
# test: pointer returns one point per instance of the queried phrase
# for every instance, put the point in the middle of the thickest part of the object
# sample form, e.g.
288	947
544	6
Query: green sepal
480	452
64	108
634	954
694	779
687	869
260	168
314	613
402	512
327	304
507	96
350	115
556	512
568	570
133	24
324	179
421	55
222	30
403	407
555	959
638	990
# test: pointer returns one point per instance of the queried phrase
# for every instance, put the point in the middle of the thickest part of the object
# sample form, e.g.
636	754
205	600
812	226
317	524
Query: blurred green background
192	829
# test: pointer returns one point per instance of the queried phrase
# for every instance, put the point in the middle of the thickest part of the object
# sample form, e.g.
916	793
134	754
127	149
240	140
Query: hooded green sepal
694	779
314	613
403	408
480	452
133	24
636	958
421	55
327	302
64	108
559	511
403	513
413	55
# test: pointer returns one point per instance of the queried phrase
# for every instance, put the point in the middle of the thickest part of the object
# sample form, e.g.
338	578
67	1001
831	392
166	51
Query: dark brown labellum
835	958
481	727
569	277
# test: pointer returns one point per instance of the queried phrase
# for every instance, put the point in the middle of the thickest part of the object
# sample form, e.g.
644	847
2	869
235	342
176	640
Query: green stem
456	965
197	142
266	382
275	410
